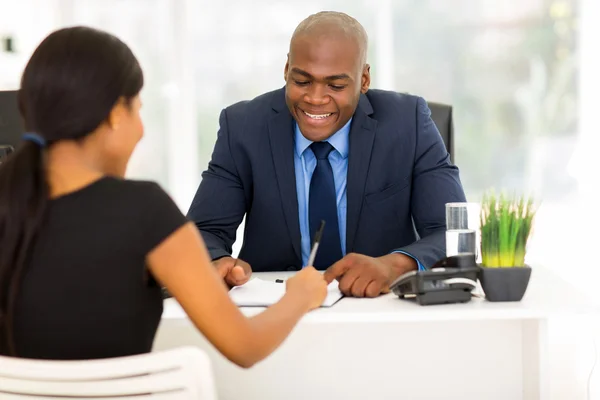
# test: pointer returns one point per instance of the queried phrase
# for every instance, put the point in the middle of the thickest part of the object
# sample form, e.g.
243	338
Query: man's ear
365	81
286	68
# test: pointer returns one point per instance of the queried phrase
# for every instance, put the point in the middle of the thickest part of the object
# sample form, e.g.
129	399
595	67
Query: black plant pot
504	284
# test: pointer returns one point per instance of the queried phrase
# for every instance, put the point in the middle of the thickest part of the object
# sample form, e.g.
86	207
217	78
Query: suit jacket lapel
362	135
281	135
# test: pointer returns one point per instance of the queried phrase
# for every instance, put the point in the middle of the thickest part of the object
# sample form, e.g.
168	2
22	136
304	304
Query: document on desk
261	293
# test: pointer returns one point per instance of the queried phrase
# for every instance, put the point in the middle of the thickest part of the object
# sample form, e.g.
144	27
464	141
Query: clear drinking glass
462	220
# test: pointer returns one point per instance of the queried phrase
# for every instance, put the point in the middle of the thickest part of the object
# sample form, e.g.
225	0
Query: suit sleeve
435	182
219	204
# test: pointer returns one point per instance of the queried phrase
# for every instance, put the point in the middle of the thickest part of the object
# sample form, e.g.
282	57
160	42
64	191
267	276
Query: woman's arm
182	265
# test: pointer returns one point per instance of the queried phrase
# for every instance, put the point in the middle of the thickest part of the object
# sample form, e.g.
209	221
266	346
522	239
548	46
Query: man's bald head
331	23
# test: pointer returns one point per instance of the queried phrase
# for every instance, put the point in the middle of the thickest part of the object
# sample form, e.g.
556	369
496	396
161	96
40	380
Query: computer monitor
11	124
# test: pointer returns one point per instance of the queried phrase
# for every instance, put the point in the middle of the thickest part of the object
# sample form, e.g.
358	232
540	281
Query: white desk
387	348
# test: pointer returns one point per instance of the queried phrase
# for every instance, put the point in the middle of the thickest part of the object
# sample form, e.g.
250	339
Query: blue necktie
322	205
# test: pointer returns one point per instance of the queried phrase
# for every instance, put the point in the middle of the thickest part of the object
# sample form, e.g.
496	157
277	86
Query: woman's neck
70	167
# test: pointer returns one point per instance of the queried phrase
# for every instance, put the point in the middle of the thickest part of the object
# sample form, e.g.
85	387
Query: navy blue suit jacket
398	172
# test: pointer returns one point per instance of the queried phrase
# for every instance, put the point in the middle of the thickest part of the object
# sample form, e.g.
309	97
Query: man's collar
338	140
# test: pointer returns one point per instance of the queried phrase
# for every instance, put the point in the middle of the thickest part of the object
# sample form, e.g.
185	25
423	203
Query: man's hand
234	272
364	276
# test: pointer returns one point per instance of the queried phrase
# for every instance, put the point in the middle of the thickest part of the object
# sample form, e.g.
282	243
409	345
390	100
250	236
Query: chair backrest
442	116
178	374
11	124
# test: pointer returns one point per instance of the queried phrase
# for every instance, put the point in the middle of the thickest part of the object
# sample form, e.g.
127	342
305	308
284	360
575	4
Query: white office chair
178	374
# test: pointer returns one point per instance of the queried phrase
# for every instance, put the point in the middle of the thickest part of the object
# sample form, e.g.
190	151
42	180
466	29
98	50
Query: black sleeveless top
86	291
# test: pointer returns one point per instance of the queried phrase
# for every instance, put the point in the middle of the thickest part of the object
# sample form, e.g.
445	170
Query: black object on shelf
8	45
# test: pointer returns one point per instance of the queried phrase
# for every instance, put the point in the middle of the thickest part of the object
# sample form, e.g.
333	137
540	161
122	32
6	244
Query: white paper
261	293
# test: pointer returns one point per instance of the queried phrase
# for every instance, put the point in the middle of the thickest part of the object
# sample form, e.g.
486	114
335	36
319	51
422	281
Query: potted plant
505	228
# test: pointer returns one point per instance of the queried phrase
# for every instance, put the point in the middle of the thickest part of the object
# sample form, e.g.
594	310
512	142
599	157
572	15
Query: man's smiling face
325	76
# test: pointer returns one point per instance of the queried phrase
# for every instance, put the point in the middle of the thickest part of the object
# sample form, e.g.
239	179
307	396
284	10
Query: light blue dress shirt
305	163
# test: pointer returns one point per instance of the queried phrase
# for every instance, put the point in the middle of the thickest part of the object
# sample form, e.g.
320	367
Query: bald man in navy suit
370	163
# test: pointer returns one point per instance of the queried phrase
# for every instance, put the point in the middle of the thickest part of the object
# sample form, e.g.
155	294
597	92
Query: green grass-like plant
505	228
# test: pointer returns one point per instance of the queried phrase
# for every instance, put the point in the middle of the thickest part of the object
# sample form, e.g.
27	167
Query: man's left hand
364	276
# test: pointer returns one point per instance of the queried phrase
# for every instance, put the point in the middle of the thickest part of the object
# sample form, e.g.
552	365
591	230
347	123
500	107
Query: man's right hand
234	272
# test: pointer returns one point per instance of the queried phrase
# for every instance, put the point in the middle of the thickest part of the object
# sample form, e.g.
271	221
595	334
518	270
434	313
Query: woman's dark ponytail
23	199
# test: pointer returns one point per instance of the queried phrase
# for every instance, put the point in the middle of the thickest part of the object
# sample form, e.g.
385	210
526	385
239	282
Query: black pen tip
320	232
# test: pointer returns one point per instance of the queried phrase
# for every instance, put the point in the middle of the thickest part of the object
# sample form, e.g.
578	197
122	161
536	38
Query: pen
313	252
315	246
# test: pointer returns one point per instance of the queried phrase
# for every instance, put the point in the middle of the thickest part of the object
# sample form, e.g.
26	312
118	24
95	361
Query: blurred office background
523	77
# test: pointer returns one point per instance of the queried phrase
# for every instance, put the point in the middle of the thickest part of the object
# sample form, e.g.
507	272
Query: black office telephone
450	280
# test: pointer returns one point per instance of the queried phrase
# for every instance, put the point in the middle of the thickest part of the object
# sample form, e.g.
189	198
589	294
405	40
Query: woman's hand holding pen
309	285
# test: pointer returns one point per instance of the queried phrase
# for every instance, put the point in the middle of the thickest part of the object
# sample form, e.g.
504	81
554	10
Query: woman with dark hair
83	251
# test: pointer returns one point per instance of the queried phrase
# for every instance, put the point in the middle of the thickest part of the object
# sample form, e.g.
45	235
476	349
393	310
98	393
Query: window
511	70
